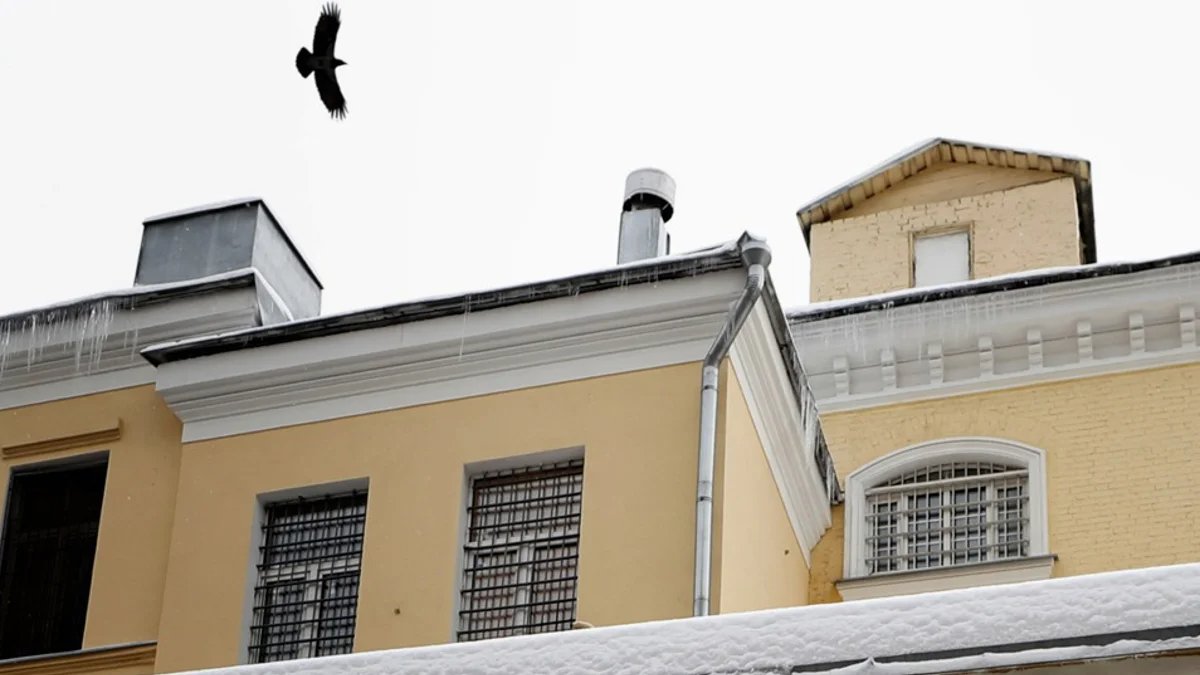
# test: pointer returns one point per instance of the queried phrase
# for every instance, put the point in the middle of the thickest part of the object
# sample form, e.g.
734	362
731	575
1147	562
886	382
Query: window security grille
522	547
50	528
948	514
307	593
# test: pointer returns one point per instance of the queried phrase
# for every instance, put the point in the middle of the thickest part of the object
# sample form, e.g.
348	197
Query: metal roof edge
986	286
705	261
140	296
1092	640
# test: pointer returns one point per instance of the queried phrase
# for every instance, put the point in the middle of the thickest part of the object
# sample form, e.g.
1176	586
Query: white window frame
961	449
966	230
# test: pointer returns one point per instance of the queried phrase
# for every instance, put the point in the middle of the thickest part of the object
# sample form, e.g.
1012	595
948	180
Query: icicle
79	332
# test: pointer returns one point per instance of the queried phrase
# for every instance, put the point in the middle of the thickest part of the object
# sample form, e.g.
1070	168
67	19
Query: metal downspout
757	256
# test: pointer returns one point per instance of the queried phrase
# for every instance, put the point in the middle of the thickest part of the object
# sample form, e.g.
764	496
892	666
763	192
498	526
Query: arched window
944	504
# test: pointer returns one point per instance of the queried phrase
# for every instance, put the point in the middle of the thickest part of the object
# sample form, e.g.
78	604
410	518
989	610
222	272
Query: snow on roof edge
132	292
1047	275
781	639
717	250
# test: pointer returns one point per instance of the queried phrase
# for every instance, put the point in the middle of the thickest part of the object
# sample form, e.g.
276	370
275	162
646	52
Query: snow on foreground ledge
772	641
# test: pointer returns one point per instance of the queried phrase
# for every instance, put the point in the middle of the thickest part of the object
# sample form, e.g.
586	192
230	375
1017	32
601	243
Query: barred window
307	593
521	550
947	514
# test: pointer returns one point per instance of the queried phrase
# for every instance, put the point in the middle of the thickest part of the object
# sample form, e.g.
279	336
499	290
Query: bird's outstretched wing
325	35
331	93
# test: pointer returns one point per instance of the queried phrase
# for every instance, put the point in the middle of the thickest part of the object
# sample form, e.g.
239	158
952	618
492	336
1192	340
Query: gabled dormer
948	211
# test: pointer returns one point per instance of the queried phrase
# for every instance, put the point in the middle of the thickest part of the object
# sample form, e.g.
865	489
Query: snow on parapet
635	272
81	327
841	637
1004	282
125	294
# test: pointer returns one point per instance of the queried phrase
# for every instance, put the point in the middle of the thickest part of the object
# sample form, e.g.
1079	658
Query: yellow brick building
1091	368
203	471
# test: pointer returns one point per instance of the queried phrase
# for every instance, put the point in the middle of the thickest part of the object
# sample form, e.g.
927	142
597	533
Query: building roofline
816	211
237	203
705	261
141	296
1000	284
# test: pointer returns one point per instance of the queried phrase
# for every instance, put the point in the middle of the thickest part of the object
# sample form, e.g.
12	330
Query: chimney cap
651	186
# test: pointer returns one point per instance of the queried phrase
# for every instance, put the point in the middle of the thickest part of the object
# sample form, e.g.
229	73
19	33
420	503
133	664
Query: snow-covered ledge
1125	618
90	345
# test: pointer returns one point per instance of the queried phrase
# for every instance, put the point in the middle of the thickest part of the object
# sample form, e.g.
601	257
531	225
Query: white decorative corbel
936	365
1137	333
1033	341
1083	331
841	375
987	357
887	360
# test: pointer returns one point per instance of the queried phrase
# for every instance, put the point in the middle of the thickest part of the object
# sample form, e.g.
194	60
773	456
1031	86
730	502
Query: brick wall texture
1122	464
1013	230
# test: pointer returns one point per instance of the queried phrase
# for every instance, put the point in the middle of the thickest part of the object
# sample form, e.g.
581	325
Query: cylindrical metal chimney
649	204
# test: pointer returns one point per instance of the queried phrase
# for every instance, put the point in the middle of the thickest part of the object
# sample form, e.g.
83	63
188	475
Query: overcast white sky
488	142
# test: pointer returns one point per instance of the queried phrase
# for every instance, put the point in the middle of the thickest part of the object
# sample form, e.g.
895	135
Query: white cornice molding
602	333
783	428
1005	339
99	352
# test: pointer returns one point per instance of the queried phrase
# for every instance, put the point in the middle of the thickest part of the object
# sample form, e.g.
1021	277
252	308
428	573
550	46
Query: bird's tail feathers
303	62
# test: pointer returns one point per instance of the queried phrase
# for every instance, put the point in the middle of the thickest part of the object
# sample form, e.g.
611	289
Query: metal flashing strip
1095	640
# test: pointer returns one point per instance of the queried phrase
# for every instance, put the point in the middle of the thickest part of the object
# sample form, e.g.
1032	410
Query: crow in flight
322	61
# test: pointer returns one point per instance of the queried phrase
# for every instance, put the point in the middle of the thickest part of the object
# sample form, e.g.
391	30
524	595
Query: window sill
1033	568
135	656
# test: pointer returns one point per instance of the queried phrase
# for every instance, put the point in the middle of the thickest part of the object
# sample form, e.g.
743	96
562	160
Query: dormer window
943	257
946	514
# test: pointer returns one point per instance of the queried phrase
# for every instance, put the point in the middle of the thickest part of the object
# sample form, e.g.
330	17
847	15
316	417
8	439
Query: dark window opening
521	552
49	545
306	599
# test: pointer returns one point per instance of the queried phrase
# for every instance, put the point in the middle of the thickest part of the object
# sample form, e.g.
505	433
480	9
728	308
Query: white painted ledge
1033	568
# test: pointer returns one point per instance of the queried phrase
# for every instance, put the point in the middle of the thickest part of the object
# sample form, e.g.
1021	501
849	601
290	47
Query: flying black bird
322	61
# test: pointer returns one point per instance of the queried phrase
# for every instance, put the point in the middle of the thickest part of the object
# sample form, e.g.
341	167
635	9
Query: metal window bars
948	514
521	551
307	594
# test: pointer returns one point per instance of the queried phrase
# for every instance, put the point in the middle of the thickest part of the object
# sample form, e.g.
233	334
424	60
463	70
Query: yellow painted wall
1013	230
1121	463
757	561
137	512
636	548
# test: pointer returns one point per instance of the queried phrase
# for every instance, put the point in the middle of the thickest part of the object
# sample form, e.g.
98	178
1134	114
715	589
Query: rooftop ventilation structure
649	204
235	235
